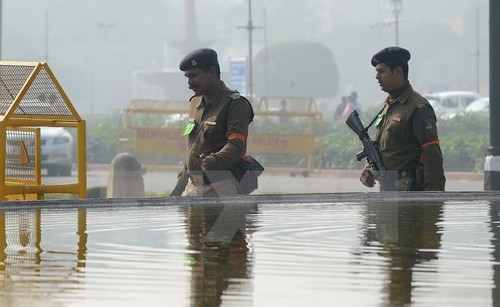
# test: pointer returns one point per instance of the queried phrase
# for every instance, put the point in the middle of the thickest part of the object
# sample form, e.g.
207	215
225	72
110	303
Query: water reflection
406	234
221	257
22	243
82	238
25	276
495	242
346	254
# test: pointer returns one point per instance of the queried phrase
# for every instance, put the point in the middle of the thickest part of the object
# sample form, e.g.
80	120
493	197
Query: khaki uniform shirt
407	135
220	132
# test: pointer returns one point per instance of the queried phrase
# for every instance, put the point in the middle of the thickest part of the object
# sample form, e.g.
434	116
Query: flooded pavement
344	249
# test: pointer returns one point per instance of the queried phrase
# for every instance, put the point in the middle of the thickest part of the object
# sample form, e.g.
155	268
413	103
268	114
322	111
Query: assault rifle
369	151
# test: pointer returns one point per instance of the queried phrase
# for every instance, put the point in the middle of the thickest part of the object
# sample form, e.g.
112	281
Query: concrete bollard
125	177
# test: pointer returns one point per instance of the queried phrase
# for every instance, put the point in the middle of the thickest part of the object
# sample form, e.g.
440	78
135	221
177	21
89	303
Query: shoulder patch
428	124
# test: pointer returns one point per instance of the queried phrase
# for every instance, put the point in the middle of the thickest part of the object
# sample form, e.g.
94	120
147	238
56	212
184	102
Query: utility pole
250	27
1	28
266	56
477	53
46	35
106	27
396	9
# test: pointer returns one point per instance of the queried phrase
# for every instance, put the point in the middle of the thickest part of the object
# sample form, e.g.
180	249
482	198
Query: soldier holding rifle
407	137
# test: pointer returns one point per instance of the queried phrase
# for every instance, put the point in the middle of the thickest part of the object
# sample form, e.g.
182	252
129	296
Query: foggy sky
94	46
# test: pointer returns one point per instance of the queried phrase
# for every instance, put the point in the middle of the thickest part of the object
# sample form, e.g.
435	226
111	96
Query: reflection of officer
219	131
407	135
494	214
409	235
218	235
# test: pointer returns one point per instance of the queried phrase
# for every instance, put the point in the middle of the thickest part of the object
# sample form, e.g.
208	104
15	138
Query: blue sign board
238	74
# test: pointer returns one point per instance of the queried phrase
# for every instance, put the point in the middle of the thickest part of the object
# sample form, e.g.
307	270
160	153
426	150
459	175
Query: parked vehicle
56	147
448	104
56	151
479	106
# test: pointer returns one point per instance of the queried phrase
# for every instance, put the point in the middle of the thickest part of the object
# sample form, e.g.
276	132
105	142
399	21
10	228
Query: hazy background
97	47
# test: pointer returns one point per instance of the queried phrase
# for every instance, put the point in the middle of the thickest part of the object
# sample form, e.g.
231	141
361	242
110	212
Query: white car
479	106
450	103
57	146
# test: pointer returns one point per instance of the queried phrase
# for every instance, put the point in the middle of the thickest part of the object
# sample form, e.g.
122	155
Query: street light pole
46	35
105	67
396	9
477	53
250	27
266	57
1	28
106	27
250	53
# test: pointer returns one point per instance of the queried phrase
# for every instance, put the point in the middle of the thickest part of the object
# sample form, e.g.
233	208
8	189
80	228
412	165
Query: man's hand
367	179
202	161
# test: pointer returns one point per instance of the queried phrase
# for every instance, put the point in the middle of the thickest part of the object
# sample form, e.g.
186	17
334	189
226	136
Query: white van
57	145
450	103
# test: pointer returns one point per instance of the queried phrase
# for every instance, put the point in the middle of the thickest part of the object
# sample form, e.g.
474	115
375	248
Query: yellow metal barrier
288	126
30	98
151	130
23	159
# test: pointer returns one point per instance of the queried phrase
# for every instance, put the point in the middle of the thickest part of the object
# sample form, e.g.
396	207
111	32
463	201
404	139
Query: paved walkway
159	179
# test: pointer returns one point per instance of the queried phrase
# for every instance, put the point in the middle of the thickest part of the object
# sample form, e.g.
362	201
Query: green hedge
464	142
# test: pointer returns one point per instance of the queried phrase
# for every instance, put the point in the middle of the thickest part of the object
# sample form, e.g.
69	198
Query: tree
297	69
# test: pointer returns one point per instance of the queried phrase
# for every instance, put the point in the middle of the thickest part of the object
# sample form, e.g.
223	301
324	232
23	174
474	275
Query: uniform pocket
395	129
211	130
398	132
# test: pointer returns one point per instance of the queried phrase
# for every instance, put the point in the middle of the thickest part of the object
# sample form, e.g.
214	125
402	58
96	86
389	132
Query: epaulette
194	102
423	103
194	96
235	95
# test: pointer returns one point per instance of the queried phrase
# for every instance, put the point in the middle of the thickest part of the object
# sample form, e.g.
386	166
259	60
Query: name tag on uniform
209	123
396	118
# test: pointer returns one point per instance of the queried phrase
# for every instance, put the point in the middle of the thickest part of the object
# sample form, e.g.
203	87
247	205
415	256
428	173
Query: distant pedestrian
354	98
340	108
283	109
349	106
